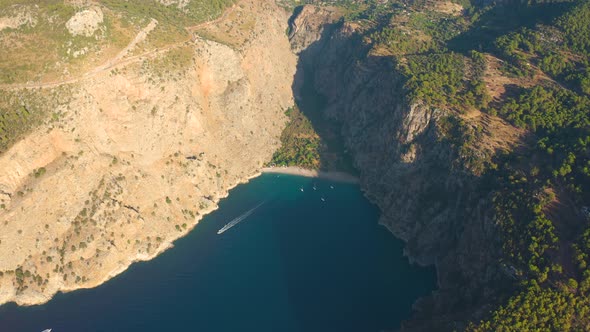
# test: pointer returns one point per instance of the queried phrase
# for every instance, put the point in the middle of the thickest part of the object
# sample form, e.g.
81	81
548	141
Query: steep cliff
131	154
425	183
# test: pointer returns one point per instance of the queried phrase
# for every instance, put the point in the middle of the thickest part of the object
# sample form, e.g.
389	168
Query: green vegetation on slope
538	235
196	11
42	48
539	309
541	193
440	79
22	111
300	143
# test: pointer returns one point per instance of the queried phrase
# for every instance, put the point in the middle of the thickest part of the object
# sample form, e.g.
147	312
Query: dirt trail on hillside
115	61
141	36
119	59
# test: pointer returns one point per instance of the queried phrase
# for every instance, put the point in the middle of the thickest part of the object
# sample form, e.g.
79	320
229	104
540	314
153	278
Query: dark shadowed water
297	263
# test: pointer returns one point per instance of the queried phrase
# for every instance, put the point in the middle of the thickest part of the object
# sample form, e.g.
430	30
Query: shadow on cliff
439	207
504	19
333	153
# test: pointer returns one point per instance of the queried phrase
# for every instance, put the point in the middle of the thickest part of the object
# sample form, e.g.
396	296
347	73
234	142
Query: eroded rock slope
138	152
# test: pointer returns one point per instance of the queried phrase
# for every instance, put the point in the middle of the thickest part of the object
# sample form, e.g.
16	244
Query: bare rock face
137	153
180	4
85	22
19	16
309	25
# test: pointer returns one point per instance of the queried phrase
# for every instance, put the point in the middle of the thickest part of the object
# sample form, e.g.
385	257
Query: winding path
141	36
119	59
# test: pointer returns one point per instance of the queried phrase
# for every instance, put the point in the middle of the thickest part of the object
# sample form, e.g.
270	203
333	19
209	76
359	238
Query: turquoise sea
297	263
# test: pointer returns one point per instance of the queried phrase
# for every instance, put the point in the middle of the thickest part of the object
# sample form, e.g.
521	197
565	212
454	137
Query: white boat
314	188
331	187
301	189
239	219
46	330
323	199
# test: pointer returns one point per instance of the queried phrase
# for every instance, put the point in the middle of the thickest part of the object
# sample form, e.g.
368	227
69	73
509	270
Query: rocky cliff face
418	178
138	150
309	24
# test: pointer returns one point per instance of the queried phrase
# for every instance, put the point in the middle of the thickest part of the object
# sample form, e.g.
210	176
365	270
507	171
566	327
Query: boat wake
239	219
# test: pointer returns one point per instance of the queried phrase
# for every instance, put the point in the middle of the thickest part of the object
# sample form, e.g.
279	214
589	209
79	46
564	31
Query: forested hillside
523	65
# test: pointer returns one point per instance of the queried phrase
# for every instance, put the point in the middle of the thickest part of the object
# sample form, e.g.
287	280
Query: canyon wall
422	182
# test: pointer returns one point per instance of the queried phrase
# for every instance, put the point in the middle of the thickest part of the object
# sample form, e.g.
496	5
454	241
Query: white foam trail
239	219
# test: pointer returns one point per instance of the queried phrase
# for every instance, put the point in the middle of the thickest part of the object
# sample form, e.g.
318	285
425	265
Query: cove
296	263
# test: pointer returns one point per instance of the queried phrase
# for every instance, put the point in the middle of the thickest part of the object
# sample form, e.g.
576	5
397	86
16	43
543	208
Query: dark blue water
296	264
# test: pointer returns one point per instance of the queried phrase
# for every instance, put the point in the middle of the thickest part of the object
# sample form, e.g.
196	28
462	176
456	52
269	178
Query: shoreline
124	267
298	171
166	245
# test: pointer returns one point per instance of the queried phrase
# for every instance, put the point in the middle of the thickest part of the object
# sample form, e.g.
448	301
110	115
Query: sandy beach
334	176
